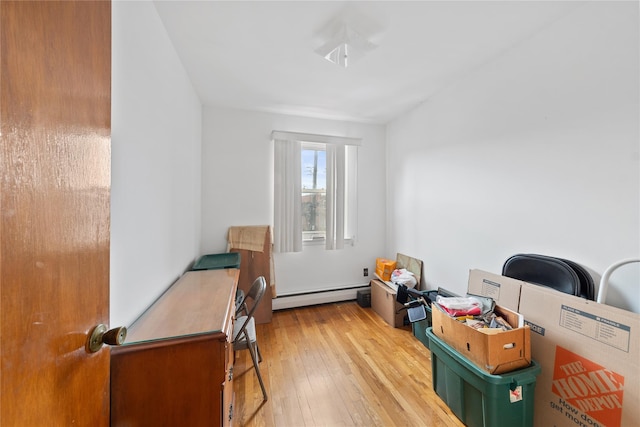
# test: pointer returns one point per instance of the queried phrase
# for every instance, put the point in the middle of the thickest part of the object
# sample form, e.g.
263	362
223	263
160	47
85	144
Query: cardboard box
383	302
589	354
496	353
505	291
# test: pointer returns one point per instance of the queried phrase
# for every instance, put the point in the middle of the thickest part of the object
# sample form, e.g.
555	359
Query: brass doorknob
102	335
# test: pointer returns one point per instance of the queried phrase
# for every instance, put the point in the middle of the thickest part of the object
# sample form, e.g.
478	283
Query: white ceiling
259	55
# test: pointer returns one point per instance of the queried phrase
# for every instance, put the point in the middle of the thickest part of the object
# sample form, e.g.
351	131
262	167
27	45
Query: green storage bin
217	261
477	398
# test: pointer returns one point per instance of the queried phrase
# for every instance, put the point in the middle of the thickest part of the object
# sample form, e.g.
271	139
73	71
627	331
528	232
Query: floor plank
337	365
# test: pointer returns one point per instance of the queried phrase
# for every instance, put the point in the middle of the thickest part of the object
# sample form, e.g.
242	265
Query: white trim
314	298
310	137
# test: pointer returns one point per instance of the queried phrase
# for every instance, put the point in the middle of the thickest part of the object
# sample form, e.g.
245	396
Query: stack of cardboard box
588	352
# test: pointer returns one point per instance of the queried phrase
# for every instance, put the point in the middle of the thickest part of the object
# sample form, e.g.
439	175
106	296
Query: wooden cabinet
176	366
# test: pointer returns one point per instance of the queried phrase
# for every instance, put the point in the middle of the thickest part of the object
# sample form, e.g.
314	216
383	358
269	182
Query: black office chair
244	330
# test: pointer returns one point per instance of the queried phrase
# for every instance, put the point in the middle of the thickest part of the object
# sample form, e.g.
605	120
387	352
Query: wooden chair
244	330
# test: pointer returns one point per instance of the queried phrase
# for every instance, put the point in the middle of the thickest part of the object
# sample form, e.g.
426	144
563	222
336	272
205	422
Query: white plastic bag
403	276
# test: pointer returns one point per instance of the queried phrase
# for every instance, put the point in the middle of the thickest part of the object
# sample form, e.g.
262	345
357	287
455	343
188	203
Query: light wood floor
337	365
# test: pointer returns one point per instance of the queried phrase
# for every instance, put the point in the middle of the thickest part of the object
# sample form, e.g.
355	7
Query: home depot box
383	302
493	353
505	291
589	355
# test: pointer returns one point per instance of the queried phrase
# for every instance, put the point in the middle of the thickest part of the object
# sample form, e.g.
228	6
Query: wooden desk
176	366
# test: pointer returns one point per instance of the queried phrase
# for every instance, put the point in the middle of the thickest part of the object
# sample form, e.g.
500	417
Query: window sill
318	242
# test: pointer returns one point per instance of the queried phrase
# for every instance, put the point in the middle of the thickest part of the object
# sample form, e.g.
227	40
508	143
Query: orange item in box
384	268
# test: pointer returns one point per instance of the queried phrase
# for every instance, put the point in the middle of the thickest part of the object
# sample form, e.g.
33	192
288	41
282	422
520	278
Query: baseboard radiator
313	298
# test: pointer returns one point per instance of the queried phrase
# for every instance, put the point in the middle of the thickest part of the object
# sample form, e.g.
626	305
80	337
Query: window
315	190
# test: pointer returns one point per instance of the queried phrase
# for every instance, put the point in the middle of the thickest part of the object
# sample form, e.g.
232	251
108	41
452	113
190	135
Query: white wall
156	137
534	152
237	189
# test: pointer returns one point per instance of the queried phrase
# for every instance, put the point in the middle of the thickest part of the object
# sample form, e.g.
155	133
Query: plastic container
364	297
217	261
477	398
384	268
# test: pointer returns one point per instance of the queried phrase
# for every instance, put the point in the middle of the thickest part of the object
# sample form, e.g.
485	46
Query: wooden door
54	203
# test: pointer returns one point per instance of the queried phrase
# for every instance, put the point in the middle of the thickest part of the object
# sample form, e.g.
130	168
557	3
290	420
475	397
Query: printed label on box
490	289
587	390
606	331
535	328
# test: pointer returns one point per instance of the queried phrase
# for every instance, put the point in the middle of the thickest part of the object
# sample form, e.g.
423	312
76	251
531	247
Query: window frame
351	193
341	192
312	146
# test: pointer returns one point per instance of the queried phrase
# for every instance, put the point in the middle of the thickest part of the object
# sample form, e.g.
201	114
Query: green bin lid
217	261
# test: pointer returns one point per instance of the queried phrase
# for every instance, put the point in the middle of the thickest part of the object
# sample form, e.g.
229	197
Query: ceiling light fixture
345	47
